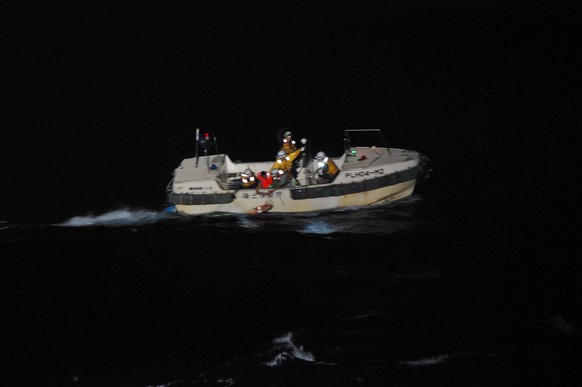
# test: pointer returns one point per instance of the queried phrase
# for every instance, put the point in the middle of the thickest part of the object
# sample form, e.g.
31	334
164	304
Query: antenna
197	139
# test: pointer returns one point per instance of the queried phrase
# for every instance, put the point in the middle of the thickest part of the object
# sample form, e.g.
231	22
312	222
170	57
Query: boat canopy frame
347	140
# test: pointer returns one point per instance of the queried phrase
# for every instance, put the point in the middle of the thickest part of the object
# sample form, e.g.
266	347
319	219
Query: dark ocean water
391	295
474	281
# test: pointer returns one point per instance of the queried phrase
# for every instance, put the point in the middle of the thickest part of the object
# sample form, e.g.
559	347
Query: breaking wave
283	349
272	357
118	218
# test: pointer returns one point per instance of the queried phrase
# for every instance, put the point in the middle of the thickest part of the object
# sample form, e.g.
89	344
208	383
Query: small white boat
367	175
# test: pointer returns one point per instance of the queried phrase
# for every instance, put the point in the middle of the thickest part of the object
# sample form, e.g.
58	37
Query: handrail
170	187
347	144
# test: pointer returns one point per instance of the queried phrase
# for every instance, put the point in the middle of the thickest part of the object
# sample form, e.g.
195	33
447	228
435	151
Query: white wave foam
118	218
440	359
284	349
320	227
559	323
203	380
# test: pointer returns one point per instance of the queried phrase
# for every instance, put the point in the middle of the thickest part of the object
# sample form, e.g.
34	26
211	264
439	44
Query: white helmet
320	156
247	172
281	153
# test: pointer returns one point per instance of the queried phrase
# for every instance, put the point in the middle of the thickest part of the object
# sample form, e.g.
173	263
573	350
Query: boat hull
365	176
282	202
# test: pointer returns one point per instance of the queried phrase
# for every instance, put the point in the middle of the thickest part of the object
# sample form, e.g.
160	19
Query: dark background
100	100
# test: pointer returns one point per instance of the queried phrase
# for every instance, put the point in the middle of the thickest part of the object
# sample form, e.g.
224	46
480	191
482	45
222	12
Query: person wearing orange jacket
265	180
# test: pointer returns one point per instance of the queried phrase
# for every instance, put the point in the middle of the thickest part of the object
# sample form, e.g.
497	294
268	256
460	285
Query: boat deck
221	170
368	157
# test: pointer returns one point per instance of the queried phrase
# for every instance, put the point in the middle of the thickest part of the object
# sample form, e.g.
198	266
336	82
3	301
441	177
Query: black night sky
100	99
479	272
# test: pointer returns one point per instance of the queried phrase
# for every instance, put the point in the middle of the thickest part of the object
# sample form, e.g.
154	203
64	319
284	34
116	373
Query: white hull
283	203
367	176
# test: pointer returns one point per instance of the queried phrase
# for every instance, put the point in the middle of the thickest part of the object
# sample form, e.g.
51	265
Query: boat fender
260	209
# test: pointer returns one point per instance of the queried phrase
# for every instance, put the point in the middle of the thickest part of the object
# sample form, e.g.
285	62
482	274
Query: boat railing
170	186
378	132
227	179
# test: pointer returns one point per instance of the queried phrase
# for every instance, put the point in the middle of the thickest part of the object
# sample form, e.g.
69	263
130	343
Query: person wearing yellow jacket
325	168
248	179
288	146
285	162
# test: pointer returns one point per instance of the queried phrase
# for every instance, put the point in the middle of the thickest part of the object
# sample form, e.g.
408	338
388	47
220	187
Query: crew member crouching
280	178
248	179
325	169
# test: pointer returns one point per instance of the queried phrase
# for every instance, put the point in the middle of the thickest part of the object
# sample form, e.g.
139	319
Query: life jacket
286	163
332	168
327	169
265	181
289	146
248	181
